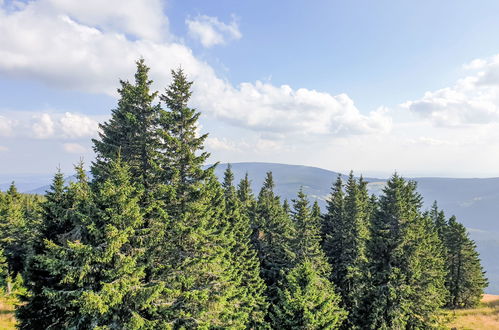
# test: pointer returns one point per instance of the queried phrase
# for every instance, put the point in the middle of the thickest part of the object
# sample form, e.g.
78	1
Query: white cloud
210	31
58	42
43	127
77	126
6	126
49	125
267	108
472	100
2	148
74	148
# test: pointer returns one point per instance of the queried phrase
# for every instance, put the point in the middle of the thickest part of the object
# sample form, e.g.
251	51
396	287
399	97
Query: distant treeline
155	241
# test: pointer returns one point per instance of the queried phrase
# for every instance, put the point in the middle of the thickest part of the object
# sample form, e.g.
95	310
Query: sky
370	86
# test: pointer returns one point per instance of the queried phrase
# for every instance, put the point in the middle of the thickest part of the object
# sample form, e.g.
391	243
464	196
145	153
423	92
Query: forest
151	239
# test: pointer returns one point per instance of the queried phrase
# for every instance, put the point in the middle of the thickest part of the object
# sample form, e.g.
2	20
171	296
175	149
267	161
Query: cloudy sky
373	86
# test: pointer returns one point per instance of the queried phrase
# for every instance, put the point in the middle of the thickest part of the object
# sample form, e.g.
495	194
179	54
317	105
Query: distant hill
475	202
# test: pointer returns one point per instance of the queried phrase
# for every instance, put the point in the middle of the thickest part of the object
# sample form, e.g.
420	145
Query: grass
485	316
7	319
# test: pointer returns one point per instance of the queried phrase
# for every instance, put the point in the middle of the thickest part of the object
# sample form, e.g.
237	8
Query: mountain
475	202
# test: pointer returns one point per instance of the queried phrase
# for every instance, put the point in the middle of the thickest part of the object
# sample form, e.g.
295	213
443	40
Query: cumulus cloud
74	148
6	126
472	100
210	31
43	127
67	45
77	126
51	125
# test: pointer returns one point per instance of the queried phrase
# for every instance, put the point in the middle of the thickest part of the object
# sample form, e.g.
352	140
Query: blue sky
373	86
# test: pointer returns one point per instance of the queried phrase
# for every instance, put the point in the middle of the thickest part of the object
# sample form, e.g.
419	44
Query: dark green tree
243	255
306	243
466	279
407	267
347	219
182	147
273	232
306	300
132	133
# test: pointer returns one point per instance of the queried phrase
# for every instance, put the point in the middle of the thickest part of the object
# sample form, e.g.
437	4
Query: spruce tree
306	300
306	243
195	255
132	133
182	148
466	278
243	255
100	281
347	219
407	285
272	237
15	231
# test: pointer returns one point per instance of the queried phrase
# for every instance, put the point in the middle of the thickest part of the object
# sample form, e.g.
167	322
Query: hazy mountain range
475	202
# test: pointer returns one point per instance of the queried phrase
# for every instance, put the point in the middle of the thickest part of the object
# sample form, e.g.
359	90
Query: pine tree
272	237
306	300
243	255
407	286
466	278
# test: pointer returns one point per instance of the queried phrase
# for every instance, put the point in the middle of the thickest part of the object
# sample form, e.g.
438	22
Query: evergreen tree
195	260
15	232
101	282
407	286
38	310
306	300
466	278
243	255
272	237
306	244
182	147
347	217
132	133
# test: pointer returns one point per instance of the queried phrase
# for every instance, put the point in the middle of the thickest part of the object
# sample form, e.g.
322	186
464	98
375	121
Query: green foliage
466	278
407	284
132	133
155	241
273	233
306	300
306	244
345	230
243	255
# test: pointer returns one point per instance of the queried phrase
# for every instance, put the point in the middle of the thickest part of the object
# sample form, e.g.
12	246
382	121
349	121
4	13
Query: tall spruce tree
96	261
132	133
466	279
407	285
182	148
38	310
195	260
273	232
243	254
347	219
